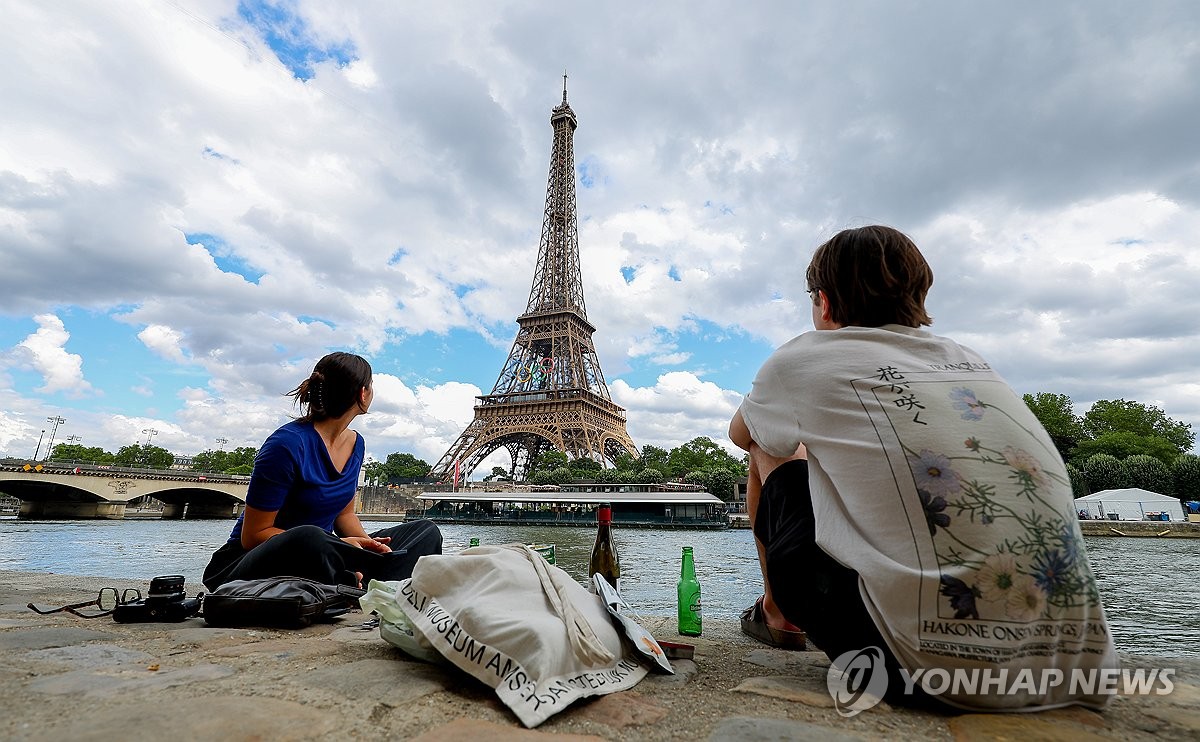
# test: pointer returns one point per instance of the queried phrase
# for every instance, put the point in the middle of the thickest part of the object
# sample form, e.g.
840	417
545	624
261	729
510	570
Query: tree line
699	461
139	456
1120	443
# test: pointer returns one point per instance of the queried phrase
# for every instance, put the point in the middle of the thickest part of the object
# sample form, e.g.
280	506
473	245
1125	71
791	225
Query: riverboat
670	505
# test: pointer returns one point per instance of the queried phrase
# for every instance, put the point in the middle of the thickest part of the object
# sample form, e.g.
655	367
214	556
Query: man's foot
755	626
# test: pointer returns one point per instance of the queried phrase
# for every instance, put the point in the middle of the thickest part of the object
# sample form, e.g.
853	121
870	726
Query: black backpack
279	602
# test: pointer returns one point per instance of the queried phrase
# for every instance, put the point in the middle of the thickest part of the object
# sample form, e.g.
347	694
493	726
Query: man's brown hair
873	276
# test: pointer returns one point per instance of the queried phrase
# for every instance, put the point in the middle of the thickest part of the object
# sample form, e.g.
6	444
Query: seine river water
1150	587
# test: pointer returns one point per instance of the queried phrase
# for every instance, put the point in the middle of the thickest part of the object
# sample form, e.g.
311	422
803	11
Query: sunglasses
107	601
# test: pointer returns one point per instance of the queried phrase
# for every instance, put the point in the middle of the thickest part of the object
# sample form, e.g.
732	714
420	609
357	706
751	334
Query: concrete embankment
1140	528
68	678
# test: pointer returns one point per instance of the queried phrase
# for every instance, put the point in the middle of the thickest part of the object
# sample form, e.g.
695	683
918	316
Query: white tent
1130	504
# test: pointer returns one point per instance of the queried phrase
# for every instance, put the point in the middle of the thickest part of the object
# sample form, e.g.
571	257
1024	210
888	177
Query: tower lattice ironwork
551	392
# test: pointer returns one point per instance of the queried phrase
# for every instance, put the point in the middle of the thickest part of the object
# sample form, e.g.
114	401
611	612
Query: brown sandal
754	625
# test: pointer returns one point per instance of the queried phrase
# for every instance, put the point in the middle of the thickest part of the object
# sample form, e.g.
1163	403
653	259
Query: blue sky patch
629	273
225	258
288	34
215	155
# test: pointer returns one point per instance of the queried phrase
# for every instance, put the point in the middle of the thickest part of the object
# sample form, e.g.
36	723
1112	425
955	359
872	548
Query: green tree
540	477
585	468
722	483
654	457
1104	472
1186	475
699	454
1079	486
625	461
1123	444
403	467
561	475
498	472
1148	473
1124	416
82	454
548	461
610	476
1057	415
224	462
651	476
373	472
144	457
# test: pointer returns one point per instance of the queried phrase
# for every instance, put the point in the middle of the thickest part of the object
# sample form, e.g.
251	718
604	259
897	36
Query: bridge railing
75	466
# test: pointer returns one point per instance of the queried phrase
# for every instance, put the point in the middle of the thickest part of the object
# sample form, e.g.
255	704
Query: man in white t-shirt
903	496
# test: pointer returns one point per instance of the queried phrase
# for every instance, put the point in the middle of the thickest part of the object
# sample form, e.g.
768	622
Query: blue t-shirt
294	476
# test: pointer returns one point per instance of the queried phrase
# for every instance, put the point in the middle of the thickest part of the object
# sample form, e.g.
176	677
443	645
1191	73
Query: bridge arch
50	492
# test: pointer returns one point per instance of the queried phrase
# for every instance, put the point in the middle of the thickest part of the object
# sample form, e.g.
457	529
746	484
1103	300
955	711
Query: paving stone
16	623
1187	718
92	655
787	661
207	719
685	670
207	636
625	709
355	635
474	730
387	681
51	637
991	727
754	729
1184	694
1077	714
788	688
123	679
279	648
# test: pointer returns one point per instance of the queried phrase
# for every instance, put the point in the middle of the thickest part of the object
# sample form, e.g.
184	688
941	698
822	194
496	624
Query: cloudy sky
199	198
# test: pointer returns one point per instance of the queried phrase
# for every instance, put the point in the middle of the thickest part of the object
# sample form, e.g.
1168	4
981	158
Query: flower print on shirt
1004	550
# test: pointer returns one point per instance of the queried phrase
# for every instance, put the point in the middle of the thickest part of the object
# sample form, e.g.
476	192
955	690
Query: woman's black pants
314	553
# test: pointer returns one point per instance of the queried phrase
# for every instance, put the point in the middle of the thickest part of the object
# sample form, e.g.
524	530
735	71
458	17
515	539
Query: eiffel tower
550	394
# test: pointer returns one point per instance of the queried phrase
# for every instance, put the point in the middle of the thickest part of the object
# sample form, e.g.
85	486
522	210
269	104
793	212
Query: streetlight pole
56	420
38	450
221	443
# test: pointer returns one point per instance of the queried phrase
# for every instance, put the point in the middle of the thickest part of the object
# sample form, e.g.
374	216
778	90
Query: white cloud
44	352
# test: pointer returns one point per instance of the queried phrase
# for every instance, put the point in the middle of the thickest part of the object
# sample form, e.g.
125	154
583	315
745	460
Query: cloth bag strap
584	642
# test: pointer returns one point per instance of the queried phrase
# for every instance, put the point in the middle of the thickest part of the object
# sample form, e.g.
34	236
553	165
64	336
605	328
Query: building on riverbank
667	505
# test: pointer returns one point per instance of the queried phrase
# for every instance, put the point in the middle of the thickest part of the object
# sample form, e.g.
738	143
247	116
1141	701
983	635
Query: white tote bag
520	625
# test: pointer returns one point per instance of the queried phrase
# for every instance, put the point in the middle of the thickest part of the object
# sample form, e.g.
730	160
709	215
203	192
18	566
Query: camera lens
167	585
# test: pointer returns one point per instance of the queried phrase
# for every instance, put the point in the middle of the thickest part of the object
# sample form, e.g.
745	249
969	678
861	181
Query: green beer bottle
689	596
474	542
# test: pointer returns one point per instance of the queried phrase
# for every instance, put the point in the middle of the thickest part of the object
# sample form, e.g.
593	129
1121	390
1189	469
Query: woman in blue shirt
299	519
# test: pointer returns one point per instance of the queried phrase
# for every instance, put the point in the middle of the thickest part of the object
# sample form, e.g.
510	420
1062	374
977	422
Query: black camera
166	602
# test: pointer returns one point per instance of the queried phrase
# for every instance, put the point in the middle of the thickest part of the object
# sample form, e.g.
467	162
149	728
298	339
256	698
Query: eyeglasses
107	601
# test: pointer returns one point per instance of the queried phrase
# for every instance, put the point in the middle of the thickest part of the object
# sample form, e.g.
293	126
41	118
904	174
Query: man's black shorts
815	591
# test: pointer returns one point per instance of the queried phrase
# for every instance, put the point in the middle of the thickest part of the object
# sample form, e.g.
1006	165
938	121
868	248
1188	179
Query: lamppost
38	450
56	420
221	443
149	433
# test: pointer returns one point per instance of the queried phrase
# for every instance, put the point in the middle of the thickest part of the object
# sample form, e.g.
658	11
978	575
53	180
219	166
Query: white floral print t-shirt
932	479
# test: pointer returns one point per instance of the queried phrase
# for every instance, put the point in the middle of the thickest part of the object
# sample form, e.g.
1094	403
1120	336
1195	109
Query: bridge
67	490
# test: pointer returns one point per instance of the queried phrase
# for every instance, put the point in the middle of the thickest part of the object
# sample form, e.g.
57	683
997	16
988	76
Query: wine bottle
604	560
688	590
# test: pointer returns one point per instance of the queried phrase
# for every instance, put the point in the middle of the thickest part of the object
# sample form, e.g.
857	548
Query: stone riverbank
69	678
